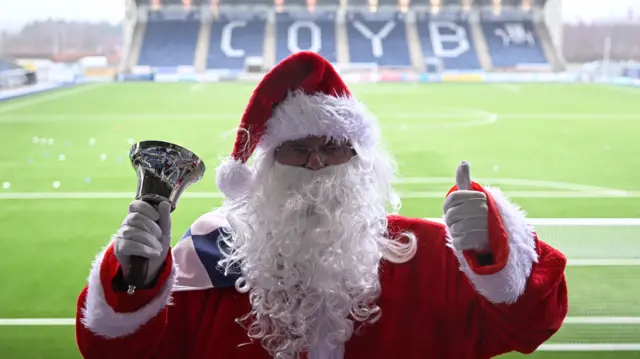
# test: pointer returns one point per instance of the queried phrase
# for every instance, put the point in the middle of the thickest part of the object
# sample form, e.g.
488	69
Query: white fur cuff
102	320
507	285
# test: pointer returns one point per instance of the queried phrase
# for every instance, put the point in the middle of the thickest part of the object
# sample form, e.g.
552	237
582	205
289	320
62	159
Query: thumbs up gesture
466	214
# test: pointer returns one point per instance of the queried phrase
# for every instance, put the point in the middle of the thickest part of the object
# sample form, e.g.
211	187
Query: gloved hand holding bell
165	170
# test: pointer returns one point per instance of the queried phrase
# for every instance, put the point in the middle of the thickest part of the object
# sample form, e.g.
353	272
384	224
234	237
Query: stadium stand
169	42
513	43
303	30
234	37
449	39
224	35
378	37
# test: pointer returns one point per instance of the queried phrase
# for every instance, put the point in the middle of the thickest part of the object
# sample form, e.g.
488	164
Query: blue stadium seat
449	40
378	38
234	37
169	43
513	43
302	30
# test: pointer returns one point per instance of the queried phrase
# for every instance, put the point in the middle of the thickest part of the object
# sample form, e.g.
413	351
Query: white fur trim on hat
233	178
302	115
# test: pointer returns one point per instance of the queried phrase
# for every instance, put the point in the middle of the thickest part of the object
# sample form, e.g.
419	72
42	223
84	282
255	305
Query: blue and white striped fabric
197	254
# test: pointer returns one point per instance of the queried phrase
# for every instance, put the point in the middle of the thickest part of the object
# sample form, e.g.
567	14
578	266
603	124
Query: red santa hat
301	96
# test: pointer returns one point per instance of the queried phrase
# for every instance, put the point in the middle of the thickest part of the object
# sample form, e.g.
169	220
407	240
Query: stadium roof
537	3
173	2
336	2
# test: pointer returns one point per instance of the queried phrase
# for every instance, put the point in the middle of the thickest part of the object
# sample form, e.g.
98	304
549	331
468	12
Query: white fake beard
310	242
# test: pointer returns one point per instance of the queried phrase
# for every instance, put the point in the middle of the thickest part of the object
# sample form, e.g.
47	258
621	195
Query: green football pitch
569	154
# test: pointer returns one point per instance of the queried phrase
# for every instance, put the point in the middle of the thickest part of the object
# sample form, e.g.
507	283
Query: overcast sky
14	13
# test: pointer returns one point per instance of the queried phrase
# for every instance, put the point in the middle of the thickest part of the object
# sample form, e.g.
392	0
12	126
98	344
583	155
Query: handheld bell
164	170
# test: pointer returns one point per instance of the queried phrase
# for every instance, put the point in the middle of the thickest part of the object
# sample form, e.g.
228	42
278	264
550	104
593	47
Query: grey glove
145	232
467	214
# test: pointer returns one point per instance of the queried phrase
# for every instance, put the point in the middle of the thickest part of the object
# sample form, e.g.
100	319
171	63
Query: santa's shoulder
198	253
419	226
209	222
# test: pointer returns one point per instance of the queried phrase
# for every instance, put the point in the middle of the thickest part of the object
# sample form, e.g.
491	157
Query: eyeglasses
296	154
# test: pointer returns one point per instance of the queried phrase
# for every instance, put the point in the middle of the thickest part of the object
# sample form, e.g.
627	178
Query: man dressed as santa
304	259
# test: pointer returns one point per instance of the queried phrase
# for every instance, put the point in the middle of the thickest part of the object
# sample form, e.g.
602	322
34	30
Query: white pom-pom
233	178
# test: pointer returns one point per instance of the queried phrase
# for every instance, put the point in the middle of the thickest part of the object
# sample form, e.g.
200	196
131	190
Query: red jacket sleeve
113	324
535	316
522	287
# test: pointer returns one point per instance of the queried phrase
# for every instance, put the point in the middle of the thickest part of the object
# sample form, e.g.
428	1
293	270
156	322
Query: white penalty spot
6	185
56	184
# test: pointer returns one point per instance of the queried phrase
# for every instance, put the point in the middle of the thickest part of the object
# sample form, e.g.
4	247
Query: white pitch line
72	321
585	221
514	182
570	116
56	95
406	195
483	118
533	194
37	321
56	117
466	122
629	90
581	190
575	221
588	347
490	117
197	87
602	320
508	87
204	195
597	262
90	195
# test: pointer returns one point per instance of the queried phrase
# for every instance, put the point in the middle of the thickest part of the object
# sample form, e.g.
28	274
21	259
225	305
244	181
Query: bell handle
136	273
138	267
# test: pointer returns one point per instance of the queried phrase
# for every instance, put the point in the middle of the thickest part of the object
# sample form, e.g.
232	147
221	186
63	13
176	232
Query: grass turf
535	141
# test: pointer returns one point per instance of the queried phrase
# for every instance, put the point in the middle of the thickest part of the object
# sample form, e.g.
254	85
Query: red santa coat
441	304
